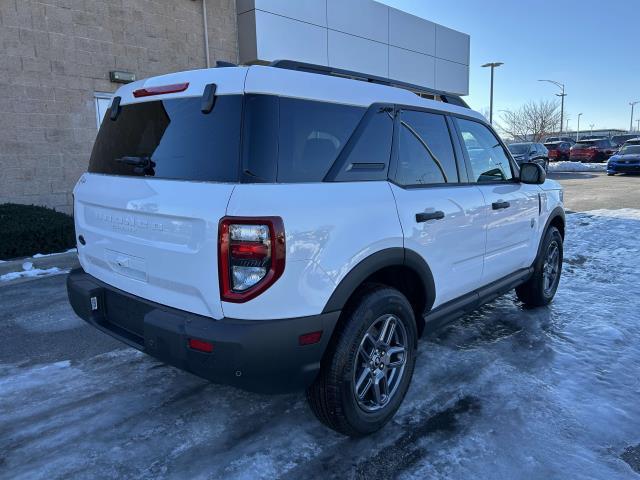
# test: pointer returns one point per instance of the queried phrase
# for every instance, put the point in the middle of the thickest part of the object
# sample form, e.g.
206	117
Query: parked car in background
597	150
626	160
530	152
619	140
558	151
571	140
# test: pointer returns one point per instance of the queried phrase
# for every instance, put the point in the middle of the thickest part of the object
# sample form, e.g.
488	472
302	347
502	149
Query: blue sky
591	46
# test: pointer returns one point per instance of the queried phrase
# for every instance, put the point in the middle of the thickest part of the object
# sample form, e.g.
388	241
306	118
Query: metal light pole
633	104
592	125
578	132
493	66
638	122
561	95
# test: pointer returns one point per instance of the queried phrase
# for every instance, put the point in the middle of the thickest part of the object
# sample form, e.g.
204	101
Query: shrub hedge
27	229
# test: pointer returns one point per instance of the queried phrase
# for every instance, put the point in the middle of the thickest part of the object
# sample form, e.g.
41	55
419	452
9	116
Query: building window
103	103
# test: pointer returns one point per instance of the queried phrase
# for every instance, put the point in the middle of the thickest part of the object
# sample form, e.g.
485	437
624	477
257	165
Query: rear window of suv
172	139
248	139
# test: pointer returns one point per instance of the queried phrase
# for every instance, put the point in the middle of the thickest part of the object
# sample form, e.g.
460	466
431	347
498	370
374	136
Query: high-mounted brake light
161	90
251	256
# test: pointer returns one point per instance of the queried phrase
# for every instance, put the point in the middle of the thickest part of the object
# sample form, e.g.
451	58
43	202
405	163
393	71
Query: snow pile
505	392
29	272
577	167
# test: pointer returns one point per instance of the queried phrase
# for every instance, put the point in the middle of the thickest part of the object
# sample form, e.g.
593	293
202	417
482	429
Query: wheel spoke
365	375
377	394
385	328
391	332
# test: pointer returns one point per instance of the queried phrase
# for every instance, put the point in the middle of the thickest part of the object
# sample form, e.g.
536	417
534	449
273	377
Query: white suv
277	229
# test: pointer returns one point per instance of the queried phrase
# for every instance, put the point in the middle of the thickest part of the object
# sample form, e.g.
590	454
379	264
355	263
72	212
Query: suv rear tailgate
154	238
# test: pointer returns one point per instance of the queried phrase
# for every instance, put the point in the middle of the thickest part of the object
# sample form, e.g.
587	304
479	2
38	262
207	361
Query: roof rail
365	77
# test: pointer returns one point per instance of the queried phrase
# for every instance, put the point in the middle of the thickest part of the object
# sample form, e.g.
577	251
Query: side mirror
532	173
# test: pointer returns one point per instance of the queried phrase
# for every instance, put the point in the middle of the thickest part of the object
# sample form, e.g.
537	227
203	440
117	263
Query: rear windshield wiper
141	165
136	161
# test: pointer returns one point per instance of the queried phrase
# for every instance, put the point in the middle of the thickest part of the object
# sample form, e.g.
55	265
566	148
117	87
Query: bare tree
531	122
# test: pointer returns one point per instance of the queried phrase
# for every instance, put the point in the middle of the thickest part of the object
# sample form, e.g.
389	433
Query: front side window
172	139
489	161
425	151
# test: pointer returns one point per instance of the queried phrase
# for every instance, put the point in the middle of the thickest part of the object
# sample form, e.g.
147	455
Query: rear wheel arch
399	268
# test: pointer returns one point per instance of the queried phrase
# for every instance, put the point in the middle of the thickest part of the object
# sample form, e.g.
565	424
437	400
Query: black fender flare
390	257
557	212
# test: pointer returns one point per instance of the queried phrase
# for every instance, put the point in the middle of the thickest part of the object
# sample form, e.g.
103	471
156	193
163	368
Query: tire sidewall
363	317
552	235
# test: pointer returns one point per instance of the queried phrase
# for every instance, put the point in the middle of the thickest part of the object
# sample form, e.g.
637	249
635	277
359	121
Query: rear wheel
541	287
368	367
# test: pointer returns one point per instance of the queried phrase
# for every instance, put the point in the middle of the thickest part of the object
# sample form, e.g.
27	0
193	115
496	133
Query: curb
64	261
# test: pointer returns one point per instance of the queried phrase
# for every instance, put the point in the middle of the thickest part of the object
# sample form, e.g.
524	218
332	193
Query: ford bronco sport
275	228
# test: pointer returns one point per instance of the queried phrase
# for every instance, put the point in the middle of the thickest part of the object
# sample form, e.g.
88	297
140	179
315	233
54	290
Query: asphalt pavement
593	190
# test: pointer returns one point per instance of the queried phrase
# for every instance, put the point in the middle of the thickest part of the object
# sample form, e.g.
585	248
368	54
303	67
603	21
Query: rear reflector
310	338
150	91
200	345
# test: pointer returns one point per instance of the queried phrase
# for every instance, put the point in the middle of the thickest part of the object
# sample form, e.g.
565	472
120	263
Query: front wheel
540	289
369	364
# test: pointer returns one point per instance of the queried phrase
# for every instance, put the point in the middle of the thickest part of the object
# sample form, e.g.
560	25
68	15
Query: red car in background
558	151
597	150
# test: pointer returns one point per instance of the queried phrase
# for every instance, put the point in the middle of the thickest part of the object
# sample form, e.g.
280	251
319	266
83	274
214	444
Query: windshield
630	150
519	148
172	139
585	144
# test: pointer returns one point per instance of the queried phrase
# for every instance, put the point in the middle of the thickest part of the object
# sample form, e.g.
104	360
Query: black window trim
395	152
338	166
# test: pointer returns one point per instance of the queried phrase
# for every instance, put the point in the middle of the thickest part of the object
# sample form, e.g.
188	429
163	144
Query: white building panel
411	32
451	76
362	18
358	35
359	54
412	67
452	45
310	11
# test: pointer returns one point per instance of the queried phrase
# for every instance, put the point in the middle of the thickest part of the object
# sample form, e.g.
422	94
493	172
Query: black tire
539	290
332	396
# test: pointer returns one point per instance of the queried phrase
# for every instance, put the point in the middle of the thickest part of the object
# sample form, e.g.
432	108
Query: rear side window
311	136
425	151
172	139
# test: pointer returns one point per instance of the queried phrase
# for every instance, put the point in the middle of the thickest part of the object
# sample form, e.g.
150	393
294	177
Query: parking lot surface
502	393
592	190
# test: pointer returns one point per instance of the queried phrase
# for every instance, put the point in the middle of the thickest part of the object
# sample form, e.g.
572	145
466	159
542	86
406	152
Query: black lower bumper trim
261	356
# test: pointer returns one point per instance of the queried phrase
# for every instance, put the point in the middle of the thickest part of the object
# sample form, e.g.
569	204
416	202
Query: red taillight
161	90
200	345
251	256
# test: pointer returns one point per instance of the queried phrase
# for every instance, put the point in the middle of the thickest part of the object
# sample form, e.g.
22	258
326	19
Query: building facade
58	59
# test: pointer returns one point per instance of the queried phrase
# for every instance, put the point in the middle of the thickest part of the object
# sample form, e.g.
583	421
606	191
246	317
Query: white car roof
285	83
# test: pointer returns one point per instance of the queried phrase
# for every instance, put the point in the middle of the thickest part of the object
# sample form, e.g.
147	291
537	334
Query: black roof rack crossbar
338	72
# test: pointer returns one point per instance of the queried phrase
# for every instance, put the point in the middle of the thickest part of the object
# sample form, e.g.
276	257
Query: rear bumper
261	356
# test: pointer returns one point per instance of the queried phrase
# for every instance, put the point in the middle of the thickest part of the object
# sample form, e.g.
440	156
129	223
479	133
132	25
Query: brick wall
55	54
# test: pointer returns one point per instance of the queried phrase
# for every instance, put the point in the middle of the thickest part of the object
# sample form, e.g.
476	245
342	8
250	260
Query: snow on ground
504	393
29	272
43	255
577	167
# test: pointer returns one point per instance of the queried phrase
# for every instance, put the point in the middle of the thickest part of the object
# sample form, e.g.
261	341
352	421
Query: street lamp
561	95
592	125
578	132
633	104
493	66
